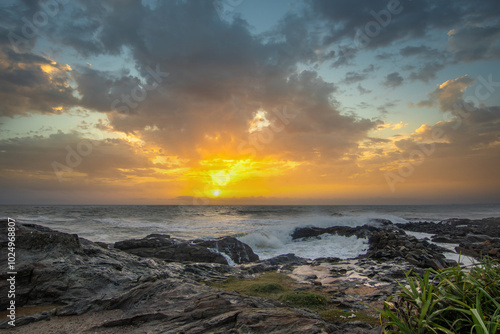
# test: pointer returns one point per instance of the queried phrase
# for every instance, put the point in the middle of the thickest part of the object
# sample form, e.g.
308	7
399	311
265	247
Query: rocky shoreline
157	284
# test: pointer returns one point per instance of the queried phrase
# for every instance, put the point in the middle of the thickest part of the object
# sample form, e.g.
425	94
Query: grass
281	287
456	300
304	299
266	285
340	315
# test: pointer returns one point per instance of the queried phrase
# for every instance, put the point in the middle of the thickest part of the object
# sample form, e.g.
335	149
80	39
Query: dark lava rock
391	244
163	247
476	238
58	268
346	231
489	248
238	251
112	291
289	259
175	250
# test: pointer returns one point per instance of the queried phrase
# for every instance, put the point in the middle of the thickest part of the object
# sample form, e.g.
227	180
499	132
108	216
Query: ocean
266	229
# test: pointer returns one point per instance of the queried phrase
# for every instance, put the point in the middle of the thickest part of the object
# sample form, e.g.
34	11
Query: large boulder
391	244
163	247
238	251
174	250
59	268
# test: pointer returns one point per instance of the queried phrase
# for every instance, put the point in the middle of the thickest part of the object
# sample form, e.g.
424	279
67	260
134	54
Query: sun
216	192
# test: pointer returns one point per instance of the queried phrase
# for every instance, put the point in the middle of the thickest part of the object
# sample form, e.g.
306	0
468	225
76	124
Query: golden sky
250	102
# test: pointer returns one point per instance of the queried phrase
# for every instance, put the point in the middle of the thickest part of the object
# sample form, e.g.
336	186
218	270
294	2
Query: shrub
304	299
458	300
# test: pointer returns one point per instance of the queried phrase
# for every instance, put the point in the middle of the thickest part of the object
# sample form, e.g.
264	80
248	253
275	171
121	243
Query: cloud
362	90
219	76
353	77
422	51
370	24
412	20
393	80
31	83
448	95
427	72
473	43
391	126
100	158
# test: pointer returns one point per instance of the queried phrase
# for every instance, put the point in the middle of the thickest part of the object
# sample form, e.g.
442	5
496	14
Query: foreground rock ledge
101	290
110	291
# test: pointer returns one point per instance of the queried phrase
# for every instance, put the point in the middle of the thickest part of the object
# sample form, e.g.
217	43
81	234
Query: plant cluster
456	300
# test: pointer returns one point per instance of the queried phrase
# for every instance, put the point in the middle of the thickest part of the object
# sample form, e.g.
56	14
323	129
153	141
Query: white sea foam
270	241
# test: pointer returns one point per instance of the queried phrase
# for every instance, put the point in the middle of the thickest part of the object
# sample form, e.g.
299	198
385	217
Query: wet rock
290	259
163	247
489	248
346	231
476	238
175	250
393	244
444	240
238	251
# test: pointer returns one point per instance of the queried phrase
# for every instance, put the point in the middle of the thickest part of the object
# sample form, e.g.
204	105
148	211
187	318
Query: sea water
267	229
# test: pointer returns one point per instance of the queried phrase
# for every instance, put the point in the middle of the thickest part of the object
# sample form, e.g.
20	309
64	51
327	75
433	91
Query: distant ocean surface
266	229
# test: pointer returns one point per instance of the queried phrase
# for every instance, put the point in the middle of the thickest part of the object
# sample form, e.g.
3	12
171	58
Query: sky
249	102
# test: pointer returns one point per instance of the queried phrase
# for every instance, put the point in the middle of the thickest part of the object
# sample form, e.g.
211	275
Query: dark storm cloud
102	91
413	18
25	87
393	80
472	43
219	75
474	26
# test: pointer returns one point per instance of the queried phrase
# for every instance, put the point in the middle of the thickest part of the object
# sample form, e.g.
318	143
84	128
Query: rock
469	234
346	231
163	247
111	291
479	249
289	259
442	239
392	244
203	309
384	222
238	251
57	268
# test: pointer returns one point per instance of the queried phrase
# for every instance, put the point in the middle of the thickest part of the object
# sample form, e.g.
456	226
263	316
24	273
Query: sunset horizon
250	103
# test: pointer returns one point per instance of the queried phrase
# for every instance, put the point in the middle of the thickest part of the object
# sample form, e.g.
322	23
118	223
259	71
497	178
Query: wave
269	241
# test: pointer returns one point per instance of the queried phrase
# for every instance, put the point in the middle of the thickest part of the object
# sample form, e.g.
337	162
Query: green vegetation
268	285
304	299
457	300
279	286
339	315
